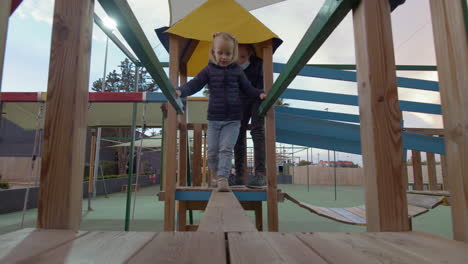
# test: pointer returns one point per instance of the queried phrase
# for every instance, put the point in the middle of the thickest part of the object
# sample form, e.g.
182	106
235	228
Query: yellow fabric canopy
215	16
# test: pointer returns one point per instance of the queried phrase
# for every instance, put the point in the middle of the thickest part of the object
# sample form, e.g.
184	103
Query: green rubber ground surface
108	213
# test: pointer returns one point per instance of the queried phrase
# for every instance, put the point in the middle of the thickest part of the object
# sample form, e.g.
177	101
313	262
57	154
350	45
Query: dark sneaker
233	180
257	181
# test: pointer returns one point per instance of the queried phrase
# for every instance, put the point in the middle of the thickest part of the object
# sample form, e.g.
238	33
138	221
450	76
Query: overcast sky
28	47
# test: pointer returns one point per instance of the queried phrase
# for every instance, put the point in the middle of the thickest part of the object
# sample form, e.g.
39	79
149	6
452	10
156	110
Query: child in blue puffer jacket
225	79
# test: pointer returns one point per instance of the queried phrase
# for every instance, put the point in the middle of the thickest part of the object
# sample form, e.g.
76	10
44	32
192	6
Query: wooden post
197	152
182	216
62	166
431	171
183	141
451	45
170	137
380	116
443	165
270	144
5	7
417	170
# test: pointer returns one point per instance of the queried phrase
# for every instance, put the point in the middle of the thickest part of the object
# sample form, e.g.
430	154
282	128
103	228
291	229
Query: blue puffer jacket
224	85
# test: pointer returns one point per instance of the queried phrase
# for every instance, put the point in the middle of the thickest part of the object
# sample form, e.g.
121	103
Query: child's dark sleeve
195	85
247	87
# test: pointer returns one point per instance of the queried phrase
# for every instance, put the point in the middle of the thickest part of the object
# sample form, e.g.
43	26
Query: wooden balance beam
224	213
196	198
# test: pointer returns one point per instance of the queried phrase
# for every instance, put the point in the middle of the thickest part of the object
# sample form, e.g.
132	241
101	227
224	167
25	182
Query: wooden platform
60	246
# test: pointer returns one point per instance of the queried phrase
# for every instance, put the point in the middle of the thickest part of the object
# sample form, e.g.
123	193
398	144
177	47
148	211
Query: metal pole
334	157
103	88
96	160
130	169
292	165
143	127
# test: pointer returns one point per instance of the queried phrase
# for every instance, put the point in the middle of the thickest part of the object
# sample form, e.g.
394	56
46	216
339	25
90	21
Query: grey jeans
222	136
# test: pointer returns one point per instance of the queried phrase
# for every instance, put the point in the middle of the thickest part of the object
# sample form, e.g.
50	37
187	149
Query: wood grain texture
381	138
270	142
26	243
225	214
63	155
97	247
270	248
357	248
197	155
451	45
417	170
170	144
445	176
183	138
183	247
431	171
5	7
423	245
182	209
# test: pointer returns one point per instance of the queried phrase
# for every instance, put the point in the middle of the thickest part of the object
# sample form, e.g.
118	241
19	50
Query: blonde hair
228	37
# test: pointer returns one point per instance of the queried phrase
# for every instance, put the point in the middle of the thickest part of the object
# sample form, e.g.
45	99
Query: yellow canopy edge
215	16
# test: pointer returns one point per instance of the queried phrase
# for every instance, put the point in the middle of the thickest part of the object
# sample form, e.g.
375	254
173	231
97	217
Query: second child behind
225	80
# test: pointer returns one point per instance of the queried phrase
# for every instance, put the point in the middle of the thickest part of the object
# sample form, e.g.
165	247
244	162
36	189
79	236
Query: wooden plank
182	215
349	215
417	170
191	228
5	7
359	211
451	46
207	189
269	248
445	176
197	155
26	243
270	142
357	248
424	244
135	37
329	17
414	211
97	247
434	193
381	138
426	131
431	170
225	214
183	247
62	166
170	144
426	201
196	205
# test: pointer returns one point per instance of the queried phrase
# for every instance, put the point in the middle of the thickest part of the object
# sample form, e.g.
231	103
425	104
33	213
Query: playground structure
379	138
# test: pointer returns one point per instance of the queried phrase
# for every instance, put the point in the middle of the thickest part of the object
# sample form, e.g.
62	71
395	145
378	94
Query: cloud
39	10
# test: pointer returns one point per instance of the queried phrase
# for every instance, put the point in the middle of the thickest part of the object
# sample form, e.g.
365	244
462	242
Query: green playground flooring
108	213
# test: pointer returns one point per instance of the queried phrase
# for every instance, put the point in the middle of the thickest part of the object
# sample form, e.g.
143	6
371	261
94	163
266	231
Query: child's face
244	55
223	51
